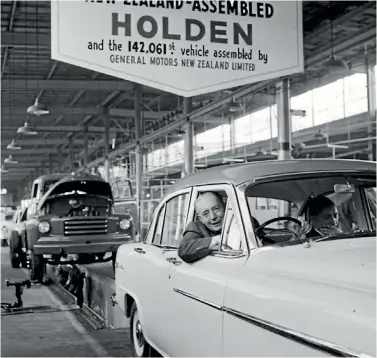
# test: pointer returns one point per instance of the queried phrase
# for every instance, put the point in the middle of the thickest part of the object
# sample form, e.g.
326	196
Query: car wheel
13	251
140	347
36	270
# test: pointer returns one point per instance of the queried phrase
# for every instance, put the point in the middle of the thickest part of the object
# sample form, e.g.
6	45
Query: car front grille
92	226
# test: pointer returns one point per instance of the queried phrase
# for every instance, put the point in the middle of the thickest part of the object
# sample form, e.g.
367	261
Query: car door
197	290
153	290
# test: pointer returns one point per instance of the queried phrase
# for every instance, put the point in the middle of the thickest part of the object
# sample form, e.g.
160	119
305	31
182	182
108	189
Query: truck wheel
36	270
23	259
140	347
14	251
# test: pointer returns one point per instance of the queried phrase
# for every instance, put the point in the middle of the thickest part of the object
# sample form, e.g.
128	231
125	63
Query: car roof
237	174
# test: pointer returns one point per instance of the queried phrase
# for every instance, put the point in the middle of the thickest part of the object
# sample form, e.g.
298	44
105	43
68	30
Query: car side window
156	240
232	236
24	215
35	190
175	220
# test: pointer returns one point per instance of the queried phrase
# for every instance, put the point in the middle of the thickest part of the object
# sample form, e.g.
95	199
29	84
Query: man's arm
194	246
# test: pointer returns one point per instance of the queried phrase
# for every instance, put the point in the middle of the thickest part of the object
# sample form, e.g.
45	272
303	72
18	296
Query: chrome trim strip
302	338
198	299
282	176
316	343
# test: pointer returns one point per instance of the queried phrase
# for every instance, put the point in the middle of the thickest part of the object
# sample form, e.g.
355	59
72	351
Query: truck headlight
124	224
44	227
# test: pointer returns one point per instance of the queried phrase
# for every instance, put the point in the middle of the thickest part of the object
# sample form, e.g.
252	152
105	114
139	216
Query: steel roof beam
26	159
75	129
93	111
74	85
53	142
18	39
24	165
34	151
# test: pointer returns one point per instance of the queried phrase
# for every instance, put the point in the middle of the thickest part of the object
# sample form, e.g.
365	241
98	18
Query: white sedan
270	289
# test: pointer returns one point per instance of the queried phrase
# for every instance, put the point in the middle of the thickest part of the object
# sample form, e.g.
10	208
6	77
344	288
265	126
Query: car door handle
139	250
173	260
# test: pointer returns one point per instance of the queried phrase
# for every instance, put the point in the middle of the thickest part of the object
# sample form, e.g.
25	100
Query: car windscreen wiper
166	247
348	235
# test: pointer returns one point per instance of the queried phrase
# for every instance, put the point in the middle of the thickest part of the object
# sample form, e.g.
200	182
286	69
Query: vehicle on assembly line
6	222
125	202
74	218
17	238
270	289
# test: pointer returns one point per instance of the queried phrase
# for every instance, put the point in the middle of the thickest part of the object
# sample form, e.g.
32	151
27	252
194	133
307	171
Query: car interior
289	198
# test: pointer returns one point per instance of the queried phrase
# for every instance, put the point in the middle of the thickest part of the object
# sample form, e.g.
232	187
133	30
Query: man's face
210	211
328	218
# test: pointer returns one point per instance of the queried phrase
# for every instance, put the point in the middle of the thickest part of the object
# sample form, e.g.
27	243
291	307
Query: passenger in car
324	217
202	236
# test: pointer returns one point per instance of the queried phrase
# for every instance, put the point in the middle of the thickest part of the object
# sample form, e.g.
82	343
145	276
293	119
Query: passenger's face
210	212
328	218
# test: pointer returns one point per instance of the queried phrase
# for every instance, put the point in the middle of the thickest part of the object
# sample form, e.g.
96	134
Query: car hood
85	183
346	263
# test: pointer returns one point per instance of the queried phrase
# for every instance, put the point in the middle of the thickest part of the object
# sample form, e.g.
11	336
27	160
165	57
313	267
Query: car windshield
317	207
48	185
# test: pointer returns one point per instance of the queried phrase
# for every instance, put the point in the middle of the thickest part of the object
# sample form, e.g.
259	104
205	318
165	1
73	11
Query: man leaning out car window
203	236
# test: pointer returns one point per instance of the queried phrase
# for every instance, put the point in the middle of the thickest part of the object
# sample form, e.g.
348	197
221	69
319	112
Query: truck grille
93	226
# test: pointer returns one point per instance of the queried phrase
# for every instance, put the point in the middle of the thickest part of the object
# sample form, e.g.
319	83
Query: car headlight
125	224
44	227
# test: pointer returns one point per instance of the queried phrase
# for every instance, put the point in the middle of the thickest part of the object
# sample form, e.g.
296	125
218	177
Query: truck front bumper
93	244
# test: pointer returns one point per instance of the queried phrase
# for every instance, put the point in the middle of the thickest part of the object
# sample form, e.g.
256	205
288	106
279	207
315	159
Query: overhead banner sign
183	47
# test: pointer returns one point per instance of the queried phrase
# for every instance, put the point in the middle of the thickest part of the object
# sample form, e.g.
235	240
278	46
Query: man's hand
215	243
330	230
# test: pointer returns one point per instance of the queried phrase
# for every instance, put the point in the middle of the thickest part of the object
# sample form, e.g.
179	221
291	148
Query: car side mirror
344	188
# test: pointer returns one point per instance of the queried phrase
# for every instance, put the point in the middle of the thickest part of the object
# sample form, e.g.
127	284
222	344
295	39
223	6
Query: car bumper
57	245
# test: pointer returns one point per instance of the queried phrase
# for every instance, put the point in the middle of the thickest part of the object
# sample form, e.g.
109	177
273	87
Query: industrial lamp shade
335	65
37	109
13	146
10	160
320	135
235	106
27	129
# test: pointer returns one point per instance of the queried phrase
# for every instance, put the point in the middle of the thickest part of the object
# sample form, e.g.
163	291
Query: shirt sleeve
193	246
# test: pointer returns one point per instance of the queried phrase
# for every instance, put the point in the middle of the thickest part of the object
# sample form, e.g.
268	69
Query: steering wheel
263	237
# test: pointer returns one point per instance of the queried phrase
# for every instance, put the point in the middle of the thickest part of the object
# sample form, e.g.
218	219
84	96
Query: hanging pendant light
37	109
320	135
260	152
235	106
10	160
27	129
334	64
13	146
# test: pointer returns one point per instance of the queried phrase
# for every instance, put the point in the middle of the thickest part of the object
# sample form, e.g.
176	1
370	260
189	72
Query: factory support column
284	119
284	133
60	160
86	146
106	144
71	155
50	164
189	137
139	159
371	92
